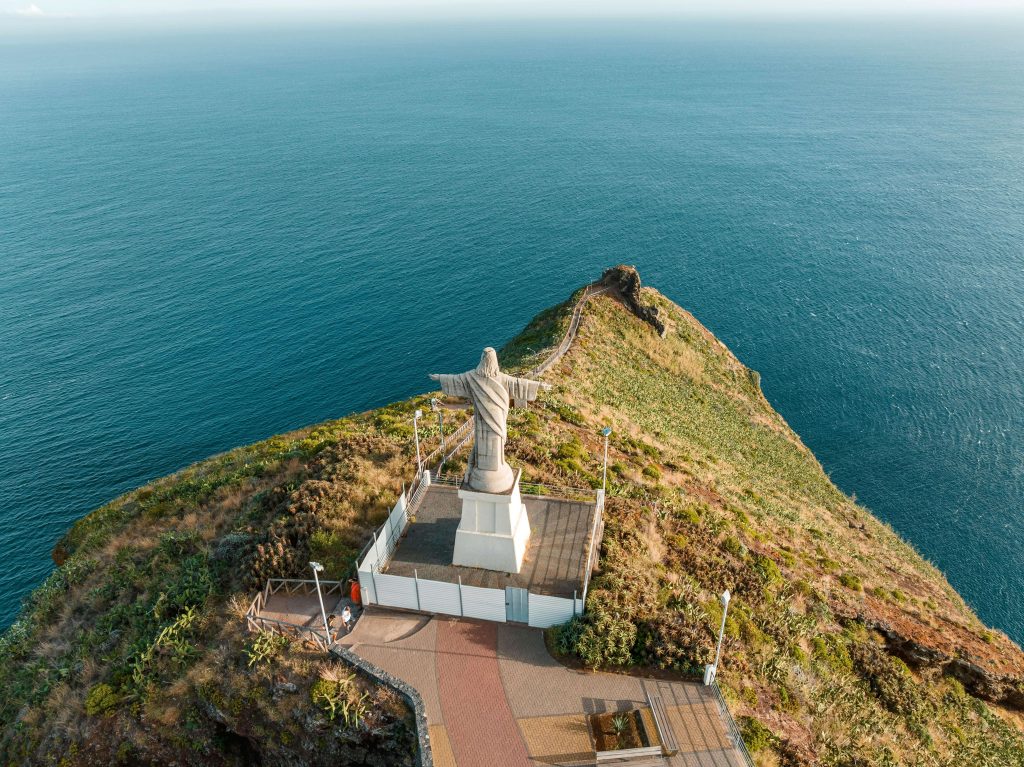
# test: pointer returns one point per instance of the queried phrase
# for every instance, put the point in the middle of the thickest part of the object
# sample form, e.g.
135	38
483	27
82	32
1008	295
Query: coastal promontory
842	645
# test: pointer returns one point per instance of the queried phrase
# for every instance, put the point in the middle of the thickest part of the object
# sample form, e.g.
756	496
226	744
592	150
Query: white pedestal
493	531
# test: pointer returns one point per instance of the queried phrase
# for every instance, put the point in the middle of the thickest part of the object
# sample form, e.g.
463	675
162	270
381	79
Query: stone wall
424	757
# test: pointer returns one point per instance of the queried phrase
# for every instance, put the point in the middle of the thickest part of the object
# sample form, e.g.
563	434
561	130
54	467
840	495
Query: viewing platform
556	556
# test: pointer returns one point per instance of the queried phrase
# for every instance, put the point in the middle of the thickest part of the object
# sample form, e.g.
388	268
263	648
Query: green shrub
734	547
603	640
832	651
652	472
766	568
567	636
851	581
692	512
100	699
330	549
569	414
264	648
339	696
756	735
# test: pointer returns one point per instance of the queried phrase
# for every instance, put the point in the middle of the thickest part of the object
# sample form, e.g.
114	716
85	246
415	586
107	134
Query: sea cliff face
843	646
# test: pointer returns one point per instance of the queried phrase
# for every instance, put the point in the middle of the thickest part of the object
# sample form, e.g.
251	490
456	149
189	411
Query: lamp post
318	568
607	432
440	421
710	672
416	432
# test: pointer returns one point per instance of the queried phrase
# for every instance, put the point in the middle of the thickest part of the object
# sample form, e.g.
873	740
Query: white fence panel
550	611
438	597
396	591
486	604
386	538
367	592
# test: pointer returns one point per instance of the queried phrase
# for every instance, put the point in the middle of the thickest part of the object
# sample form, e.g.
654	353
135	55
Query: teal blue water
210	237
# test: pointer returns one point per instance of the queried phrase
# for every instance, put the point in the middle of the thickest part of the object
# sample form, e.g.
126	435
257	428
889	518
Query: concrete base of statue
494	530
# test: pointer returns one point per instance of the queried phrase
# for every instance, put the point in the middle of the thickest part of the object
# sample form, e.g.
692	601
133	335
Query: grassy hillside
844	646
134	651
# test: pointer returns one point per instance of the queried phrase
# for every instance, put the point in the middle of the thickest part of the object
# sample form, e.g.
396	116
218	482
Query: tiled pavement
477	715
494	696
304	610
555	559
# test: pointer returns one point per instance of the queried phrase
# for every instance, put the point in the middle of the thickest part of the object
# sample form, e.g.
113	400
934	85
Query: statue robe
490	397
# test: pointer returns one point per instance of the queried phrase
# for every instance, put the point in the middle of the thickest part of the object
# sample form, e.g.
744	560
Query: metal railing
257	622
529	488
570	333
458	437
730	724
567	492
596	533
450	480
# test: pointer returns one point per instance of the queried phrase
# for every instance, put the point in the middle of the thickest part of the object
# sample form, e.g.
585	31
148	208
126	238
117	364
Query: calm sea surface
207	238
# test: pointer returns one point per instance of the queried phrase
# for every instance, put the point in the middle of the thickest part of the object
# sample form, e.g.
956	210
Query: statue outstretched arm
455	385
523	390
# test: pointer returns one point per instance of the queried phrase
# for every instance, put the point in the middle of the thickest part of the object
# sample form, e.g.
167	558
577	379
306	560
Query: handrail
467	427
598	514
558	491
730	724
570	334
284	628
459	434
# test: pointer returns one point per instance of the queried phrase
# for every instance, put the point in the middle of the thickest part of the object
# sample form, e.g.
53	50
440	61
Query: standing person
346	618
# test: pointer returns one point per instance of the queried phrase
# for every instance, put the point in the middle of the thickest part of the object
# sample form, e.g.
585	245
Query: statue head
488	363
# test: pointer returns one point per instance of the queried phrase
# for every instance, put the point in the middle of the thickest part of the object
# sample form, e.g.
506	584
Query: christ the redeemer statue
495	528
490	391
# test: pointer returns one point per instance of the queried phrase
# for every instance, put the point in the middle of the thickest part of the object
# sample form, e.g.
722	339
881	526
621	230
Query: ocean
211	236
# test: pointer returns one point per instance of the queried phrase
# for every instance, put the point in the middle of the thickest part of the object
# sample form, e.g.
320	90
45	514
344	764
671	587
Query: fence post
373	579
574	603
462	610
416	580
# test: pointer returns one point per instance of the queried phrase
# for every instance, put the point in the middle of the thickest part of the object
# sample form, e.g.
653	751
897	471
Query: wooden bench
665	734
632	757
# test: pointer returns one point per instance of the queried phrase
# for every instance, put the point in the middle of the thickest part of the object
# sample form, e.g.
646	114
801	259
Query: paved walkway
494	696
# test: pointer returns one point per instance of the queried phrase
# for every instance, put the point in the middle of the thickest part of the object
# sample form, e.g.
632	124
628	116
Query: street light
607	432
440	420
416	431
710	672
318	568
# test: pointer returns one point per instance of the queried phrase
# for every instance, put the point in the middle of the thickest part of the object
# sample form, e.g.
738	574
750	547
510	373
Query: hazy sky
42	9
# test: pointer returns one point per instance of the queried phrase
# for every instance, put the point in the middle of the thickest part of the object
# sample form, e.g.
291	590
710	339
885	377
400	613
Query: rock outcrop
625	280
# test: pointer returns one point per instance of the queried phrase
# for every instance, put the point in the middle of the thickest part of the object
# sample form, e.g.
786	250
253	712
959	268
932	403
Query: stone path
494	696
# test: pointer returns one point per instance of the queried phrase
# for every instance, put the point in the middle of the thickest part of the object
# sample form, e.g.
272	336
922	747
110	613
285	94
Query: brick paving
441	747
562	740
480	725
494	696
